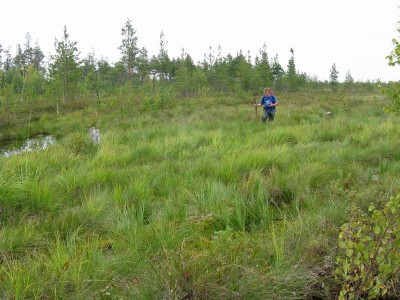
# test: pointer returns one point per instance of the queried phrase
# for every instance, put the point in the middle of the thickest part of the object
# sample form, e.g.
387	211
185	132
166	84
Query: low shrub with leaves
368	264
393	89
78	142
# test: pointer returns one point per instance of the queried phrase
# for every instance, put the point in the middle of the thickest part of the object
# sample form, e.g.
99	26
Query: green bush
78	143
368	265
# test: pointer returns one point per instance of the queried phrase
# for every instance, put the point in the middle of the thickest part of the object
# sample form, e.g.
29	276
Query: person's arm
261	102
275	103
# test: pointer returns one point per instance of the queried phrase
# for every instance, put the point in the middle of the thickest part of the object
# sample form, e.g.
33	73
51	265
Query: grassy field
194	199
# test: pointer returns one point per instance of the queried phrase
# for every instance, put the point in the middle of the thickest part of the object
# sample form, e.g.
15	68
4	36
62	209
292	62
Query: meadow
190	199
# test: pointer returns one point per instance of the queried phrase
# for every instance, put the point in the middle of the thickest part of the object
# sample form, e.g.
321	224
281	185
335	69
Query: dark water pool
38	143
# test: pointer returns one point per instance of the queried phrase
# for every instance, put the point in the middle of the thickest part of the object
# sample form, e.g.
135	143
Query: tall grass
198	201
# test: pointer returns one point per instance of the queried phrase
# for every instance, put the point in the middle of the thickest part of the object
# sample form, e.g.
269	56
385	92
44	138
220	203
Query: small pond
41	143
38	143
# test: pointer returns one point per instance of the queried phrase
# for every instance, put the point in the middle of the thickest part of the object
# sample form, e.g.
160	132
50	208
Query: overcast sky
356	35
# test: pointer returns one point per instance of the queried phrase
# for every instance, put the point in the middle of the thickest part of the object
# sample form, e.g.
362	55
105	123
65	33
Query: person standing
269	102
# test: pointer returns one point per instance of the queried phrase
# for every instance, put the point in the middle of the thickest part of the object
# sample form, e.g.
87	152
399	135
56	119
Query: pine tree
129	48
333	78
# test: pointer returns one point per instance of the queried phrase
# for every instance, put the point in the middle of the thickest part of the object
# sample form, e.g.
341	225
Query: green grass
199	200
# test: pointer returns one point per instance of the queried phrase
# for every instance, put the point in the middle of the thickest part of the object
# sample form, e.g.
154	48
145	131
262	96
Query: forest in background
29	76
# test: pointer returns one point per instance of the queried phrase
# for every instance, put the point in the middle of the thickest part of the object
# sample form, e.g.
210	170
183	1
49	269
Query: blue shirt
267	100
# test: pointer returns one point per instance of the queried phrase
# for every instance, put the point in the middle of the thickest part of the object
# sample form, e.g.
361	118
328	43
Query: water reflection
39	143
43	142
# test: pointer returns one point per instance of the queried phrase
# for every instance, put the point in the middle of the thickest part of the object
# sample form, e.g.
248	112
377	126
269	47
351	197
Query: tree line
26	76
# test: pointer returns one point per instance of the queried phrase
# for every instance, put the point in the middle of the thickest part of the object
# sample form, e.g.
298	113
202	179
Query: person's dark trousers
270	115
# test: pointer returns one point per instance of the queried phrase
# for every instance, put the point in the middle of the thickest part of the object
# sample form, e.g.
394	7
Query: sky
355	35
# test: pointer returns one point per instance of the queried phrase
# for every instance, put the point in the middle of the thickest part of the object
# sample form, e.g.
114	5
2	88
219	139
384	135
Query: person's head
266	91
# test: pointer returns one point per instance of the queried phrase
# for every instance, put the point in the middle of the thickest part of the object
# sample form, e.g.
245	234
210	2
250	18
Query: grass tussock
195	202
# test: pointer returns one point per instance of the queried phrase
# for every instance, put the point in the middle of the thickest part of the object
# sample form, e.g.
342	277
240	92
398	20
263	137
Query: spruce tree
143	65
164	62
64	68
221	70
348	81
19	58
28	50
291	72
277	72
7	63
90	74
263	69
38	57
2	75
1	59
244	73
181	75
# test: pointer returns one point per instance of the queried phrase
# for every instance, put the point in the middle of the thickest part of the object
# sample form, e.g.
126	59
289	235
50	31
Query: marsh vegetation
194	199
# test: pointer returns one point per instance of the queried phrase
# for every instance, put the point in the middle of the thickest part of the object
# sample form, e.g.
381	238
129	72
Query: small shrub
368	265
78	143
